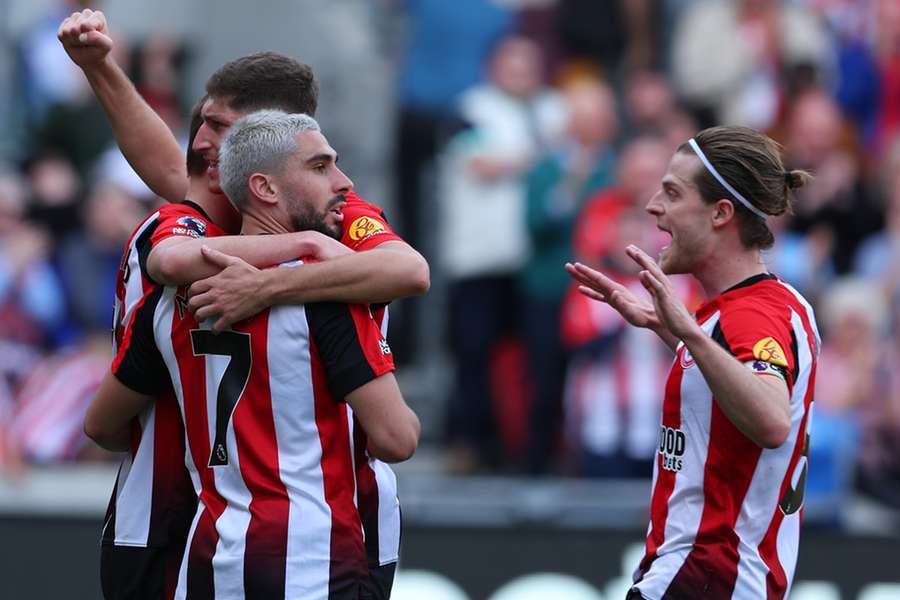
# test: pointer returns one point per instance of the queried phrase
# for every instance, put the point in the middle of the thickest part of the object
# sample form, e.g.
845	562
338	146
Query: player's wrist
694	338
304	244
103	73
270	287
96	66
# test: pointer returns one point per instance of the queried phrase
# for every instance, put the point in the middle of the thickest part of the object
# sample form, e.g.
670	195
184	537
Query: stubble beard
305	218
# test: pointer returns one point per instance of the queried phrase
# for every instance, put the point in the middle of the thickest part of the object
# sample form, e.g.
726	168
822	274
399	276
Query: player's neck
723	271
257	223
219	208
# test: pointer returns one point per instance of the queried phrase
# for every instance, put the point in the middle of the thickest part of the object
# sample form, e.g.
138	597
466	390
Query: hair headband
724	183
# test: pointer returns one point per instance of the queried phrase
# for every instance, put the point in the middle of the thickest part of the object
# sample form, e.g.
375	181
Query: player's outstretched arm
390	271
108	418
391	426
137	127
180	260
758	405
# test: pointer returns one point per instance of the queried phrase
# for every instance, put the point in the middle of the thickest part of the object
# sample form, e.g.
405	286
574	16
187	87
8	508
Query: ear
723	213
263	187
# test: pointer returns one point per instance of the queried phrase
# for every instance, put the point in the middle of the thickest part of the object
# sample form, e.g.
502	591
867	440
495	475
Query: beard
305	217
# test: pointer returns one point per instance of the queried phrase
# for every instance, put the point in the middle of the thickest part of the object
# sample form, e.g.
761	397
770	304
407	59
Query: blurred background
503	138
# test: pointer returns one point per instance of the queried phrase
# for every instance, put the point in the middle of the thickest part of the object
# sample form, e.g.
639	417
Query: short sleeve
760	333
181	220
349	344
364	225
138	364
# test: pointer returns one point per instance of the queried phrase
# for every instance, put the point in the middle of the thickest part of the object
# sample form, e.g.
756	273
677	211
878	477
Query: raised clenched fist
85	37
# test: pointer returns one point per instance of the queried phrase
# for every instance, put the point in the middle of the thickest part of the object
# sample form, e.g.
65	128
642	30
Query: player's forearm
114	441
107	420
371	276
181	262
759	410
402	444
144	138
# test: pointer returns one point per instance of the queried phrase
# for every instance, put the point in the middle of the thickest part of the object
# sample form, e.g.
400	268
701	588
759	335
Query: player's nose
654	206
342	184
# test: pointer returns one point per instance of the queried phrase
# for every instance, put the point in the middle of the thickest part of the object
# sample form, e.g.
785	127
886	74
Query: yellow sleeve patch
363	227
768	350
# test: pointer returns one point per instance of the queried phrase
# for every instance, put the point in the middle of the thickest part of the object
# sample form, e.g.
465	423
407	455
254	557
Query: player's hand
232	295
85	37
669	308
598	286
321	247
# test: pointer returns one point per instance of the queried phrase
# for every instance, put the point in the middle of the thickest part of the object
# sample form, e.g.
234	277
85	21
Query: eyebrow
214	118
668	184
323	156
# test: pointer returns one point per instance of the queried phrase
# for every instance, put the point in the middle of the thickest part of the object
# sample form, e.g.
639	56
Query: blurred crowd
528	133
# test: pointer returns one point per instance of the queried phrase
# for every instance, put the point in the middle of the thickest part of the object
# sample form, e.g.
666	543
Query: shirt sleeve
138	364
349	344
365	225
761	337
180	220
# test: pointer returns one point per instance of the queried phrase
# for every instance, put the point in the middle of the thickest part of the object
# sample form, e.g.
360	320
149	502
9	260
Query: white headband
724	183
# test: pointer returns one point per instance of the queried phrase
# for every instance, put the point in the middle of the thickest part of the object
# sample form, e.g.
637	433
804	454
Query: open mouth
667	232
337	211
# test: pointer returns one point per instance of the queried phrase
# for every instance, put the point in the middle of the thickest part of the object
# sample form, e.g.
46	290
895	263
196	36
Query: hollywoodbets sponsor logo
672	443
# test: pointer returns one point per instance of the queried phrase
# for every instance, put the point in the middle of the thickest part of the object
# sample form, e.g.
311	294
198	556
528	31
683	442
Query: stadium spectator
32	303
878	463
854	317
878	257
614	37
886	18
446	46
55	193
45	78
648	102
729	57
615	378
514	118
556	189
838	203
89	259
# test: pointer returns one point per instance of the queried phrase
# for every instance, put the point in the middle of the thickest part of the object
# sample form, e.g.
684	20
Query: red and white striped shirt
153	499
725	514
271	442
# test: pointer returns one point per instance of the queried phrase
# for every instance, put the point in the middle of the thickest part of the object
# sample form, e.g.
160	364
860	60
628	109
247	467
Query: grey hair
260	142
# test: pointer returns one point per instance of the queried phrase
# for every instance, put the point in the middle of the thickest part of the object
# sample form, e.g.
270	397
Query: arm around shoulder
410	269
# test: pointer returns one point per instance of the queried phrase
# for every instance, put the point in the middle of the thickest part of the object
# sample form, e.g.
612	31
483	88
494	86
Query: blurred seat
815	590
880	591
417	585
545	586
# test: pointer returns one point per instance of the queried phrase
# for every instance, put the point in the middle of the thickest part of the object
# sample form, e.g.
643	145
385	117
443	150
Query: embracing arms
389	271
